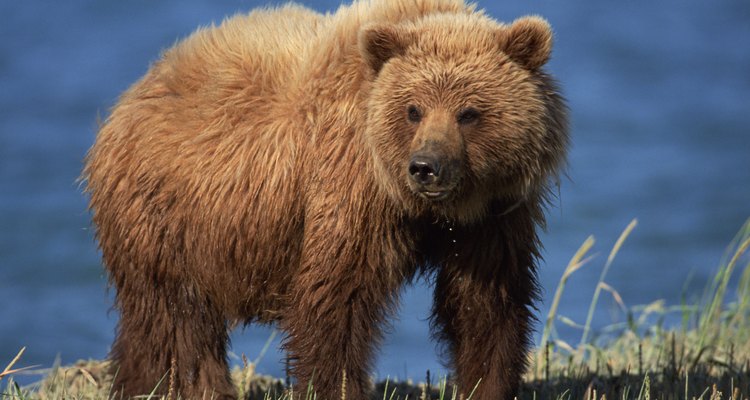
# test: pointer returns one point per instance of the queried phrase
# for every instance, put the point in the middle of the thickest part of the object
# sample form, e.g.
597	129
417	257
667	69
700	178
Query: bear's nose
424	170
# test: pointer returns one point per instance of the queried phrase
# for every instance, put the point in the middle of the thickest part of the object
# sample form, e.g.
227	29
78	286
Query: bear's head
461	114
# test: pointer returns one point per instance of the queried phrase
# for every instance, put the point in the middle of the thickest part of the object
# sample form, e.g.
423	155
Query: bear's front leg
481	312
344	290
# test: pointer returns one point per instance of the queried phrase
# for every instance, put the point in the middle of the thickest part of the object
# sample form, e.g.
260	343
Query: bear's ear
528	41
380	42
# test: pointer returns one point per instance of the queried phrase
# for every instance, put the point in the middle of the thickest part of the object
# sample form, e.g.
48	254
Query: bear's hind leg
164	327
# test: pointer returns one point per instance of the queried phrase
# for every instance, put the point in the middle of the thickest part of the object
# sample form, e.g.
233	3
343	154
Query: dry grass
706	357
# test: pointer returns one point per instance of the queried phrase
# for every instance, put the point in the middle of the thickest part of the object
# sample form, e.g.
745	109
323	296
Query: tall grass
707	357
640	359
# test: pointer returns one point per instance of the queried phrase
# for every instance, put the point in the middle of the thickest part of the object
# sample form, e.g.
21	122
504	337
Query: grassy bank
704	356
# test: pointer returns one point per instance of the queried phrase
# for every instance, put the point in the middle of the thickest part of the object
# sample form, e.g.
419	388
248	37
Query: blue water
660	99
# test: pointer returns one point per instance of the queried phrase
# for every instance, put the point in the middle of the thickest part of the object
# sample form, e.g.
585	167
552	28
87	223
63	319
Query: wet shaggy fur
264	171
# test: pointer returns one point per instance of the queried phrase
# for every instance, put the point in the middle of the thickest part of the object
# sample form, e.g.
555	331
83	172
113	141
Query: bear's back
256	54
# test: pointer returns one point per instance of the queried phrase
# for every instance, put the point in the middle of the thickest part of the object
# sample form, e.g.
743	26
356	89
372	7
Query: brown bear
295	168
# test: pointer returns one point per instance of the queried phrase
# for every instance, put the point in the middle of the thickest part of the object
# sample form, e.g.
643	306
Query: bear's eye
467	116
413	114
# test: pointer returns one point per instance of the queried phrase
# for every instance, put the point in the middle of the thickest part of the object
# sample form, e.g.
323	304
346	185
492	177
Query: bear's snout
431	176
424	170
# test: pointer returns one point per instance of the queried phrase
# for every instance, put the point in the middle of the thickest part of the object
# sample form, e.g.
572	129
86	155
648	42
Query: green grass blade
597	291
475	389
712	314
575	263
265	347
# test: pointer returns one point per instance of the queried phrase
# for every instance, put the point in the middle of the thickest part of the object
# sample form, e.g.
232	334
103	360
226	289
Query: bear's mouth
435	195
